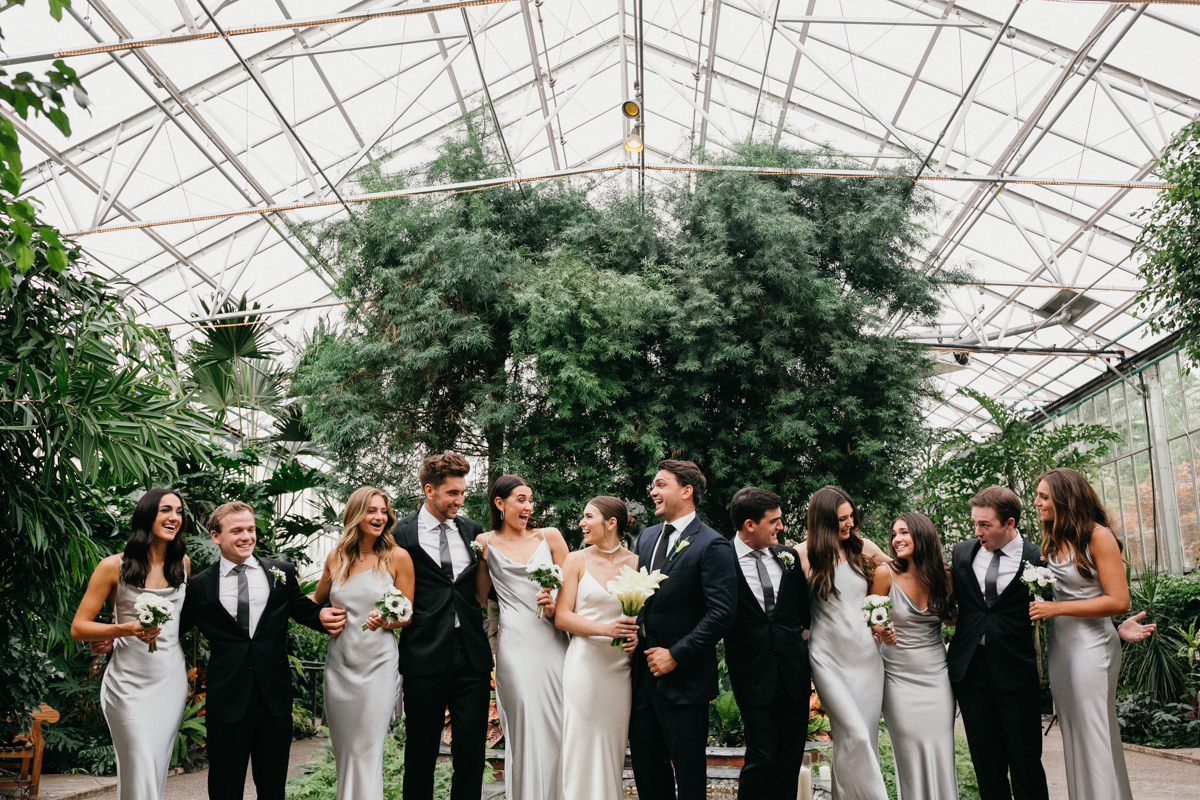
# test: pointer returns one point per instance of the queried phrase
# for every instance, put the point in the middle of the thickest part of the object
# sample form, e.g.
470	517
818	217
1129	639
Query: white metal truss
244	124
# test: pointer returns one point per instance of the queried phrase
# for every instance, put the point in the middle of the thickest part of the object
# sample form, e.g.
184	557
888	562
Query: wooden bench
28	750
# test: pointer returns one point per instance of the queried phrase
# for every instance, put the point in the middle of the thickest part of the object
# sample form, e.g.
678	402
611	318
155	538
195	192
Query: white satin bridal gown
597	695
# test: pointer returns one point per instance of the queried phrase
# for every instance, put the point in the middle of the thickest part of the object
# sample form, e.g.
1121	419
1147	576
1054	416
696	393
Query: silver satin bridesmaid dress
598	695
142	696
361	687
1085	662
529	683
848	673
918	702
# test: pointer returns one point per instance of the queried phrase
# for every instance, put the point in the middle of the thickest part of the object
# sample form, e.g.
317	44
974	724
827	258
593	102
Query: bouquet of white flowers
393	607
1041	583
633	588
544	573
877	610
152	611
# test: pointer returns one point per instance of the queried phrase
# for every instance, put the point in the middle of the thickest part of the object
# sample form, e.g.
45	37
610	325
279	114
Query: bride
597	692
143	693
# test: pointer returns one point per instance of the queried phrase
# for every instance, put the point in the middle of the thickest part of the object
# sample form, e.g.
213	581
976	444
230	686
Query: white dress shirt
431	543
1009	562
257	583
749	565
680	526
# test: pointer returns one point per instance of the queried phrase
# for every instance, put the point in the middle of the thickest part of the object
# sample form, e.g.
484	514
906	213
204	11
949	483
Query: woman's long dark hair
504	486
135	565
1077	512
927	562
824	547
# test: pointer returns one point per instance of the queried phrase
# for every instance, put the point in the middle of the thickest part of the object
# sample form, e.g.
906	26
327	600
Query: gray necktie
989	580
660	550
765	581
243	608
444	550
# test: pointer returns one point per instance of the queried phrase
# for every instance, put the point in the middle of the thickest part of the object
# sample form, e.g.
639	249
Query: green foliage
959	464
1170	242
560	333
319	781
26	243
1151	723
1153	666
189	739
725	726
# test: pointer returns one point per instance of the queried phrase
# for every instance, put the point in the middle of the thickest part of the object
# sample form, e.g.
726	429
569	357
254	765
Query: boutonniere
278	576
786	558
682	543
477	548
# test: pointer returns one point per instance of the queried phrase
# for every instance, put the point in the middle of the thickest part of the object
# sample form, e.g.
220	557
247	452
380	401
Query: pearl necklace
609	552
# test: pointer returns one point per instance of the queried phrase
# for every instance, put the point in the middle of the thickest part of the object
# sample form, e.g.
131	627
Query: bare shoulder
574	561
802	548
110	566
1103	538
401	555
553	534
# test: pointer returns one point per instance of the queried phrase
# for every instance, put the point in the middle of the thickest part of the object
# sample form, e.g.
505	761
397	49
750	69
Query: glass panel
1088	414
1174	404
1102	408
1137	418
1168	371
1120	423
1191	545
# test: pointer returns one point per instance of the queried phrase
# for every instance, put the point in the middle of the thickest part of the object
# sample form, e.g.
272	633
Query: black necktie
765	581
444	551
989	580
660	550
243	607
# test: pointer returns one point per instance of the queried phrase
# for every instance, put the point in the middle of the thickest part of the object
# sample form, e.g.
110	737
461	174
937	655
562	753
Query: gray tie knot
239	569
757	554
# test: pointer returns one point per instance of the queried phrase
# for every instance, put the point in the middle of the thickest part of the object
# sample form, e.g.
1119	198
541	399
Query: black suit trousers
466	692
1004	732
259	737
775	738
663	736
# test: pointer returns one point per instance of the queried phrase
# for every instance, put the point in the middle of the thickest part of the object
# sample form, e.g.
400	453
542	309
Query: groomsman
766	651
992	660
242	605
675	665
444	653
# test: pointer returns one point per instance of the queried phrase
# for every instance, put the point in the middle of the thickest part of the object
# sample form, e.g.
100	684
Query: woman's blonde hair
346	549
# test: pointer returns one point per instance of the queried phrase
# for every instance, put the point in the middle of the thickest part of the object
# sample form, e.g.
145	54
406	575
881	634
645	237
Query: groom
992	660
675	665
444	654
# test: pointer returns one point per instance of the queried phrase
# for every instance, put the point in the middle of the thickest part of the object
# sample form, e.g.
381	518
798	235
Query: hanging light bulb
634	143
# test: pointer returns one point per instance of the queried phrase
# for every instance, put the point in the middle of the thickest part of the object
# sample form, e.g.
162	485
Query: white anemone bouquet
152	611
1041	583
877	610
633	588
393	607
544	573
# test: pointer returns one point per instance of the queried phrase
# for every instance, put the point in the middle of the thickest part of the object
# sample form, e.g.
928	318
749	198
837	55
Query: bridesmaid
846	665
597	691
529	650
1085	650
361	677
143	693
918	702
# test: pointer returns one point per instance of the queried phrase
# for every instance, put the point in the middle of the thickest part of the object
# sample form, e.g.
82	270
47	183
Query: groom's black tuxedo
444	667
768	668
692	609
996	683
248	704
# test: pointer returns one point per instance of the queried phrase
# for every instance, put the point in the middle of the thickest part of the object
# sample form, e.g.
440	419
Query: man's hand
333	620
660	660
101	648
1131	630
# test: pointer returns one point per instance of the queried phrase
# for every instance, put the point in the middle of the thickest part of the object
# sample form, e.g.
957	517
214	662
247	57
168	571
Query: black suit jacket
1010	649
759	648
427	644
693	608
235	659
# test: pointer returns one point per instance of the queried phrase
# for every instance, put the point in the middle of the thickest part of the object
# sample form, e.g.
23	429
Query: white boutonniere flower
682	543
278	576
786	558
477	548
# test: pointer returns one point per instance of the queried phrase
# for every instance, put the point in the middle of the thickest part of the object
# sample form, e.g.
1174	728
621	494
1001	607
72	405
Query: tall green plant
1153	666
957	464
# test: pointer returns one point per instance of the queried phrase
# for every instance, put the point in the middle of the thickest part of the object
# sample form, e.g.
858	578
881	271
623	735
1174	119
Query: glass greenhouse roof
216	124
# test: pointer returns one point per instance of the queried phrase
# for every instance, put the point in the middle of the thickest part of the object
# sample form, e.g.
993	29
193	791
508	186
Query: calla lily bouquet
633	588
152	611
877	610
544	573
